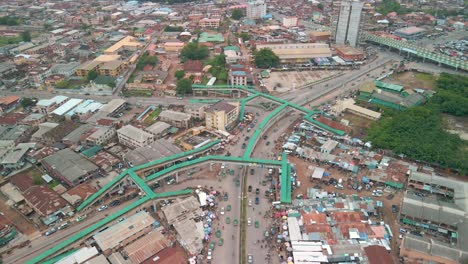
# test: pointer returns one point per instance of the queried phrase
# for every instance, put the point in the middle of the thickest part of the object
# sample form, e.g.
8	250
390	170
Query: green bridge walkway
132	173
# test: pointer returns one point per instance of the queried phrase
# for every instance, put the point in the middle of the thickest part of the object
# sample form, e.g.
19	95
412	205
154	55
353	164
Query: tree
146	59
184	86
92	75
266	58
420	134
26	36
27	102
320	6
237	14
179	74
62	84
244	36
451	94
194	51
112	84
9	21
173	29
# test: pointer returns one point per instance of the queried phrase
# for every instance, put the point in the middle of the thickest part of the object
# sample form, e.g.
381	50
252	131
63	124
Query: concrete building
256	9
410	33
177	119
209	22
69	167
349	53
348	27
159	149
102	135
47	105
133	137
290	21
112	68
237	77
158	129
196	110
221	115
298	52
124	232
129	43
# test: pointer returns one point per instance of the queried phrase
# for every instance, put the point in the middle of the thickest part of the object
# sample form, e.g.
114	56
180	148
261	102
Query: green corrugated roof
286	189
389	86
234	48
208	37
91	151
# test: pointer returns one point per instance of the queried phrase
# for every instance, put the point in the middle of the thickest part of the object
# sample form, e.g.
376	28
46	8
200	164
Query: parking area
284	81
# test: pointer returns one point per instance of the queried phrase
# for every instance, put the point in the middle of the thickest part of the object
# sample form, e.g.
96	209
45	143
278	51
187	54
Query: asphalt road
43	242
298	96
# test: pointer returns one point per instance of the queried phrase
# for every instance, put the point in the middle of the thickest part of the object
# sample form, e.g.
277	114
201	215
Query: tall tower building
256	9
348	27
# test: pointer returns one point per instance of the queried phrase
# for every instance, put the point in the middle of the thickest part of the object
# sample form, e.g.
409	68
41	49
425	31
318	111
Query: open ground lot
413	80
359	124
285	81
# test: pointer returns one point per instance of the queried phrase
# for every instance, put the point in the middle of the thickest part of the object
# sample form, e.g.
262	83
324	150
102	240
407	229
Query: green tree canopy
63	84
451	94
92	75
265	58
26	36
420	134
173	29
388	6
9	21
26	102
146	59
179	74
184	86
194	51
244	36
237	14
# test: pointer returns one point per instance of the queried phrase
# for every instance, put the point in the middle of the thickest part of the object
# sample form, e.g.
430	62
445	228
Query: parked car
394	208
50	231
114	203
252	171
102	208
64	225
249	259
250	202
222	211
249	221
250	188
390	196
257	191
257	200
81	218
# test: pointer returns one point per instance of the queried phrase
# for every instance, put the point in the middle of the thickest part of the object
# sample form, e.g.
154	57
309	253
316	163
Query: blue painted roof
242	73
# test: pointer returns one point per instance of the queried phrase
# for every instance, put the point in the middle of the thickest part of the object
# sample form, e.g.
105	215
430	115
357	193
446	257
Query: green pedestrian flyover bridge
144	175
414	50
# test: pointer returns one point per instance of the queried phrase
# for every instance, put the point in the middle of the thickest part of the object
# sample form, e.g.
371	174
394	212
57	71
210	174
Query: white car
209	255
249	221
250	202
222	210
102	208
249	259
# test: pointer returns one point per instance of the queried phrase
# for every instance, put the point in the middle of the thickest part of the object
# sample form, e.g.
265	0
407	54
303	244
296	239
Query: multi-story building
102	135
237	77
298	52
177	119
348	27
290	21
209	22
221	115
112	68
86	67
256	9
196	110
133	137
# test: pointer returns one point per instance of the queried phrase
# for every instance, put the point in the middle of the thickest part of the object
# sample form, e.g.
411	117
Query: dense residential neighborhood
250	131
